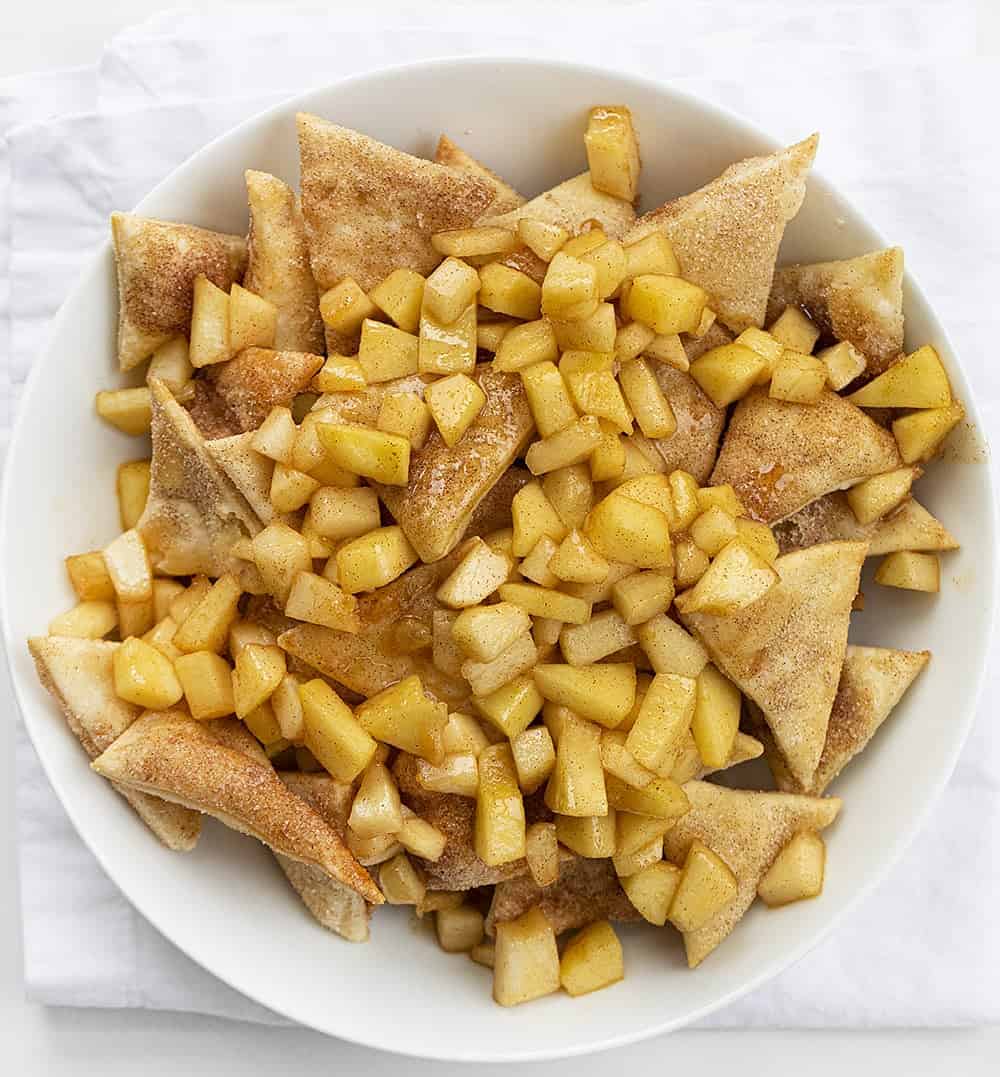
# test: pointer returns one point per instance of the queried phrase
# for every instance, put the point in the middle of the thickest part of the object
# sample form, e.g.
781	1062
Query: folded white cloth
903	120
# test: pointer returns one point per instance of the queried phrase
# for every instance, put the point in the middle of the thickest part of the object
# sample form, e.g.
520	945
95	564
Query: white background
38	34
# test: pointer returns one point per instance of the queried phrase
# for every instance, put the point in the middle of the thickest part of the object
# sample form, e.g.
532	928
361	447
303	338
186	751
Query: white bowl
227	904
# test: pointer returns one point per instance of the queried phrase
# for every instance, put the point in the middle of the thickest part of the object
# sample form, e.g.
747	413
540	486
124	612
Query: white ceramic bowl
227	905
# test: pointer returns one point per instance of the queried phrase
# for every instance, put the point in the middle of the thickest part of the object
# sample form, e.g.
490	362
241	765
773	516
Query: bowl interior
227	904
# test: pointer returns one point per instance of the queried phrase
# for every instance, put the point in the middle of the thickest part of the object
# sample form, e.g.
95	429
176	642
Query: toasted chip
571	205
694	444
505	198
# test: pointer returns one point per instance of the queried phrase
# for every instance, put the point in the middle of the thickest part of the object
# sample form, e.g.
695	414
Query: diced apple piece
373	560
171	364
541	238
595	333
318	601
706	887
340	374
798	378
875	497
652	254
454	403
663	720
910	571
843	364
759	538
527	344
684	495
142	675
607	461
720	497
484	632
499	827
401	296
512	708
670	649
627	864
570	491
630	532
916	381
660	799
592	385
617	760
643	595
576	785
545	602
631	341
458	773
534	517
376	808
767	347
569	290
712	530
484	953
636	832
509	291
797	872
474	242
464	735
91	619
480	572
290	489
184	603
407	416
716	717
459	930
485	678
736	578
590	237
794	330
287	706
589	836
387	353
344	514
450	290
280	554
132	488
603	693
376	455
345	307
610	262
728	372
571	445
666	304
275	437
651	408
332	733
604	634
89	576
448	348
535	567
652	890
207	680
548	398
258	672
446	654
612	153
691	563
526	960
209	324
253	320
403	716
577	561
401	882
920	435
534	757
127	563
542	853
369	851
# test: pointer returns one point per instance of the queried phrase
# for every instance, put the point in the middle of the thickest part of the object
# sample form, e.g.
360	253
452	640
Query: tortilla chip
695	443
505	198
571	205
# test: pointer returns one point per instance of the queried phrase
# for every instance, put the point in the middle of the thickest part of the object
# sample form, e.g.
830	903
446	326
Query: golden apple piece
592	836
757	537
576	561
595	333
405	717
713	529
535	567
340	514
608	258
663	719
479	573
661	798
244	633
340	373
344	308
400	296
385	458
794	329
184	603
386	353
798	378
843	364
651	408
90	619
276	435
253	320
446	654
652	890
132	488
290	489
576	785
450	290
171	364
499	825
484	954
916	381
910	571
401	882
209	324
370	851
591	382
448	348
509	291
706	887
130	410
736	578
670	649
603	693
376	808
797	872
626	864
541	238
457	774
459	930
920	435
207	680
570	491
636	832
463	734
728	372
406	415
569	290
878	496
280	554
145	677
652	254
619	762
486	678
631	340
769	348
571	445
665	304
287	706
454	403
526	960
321	602
641	596
258	672
524	345
612	152
607	461
604	634
716	719
548	398
512	708
89	576
473	242
684	494
484	632
332	733
127	563
630	532
534	517
534	758
542	853
546	602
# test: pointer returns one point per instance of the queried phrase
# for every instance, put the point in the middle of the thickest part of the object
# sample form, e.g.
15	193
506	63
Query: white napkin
902	115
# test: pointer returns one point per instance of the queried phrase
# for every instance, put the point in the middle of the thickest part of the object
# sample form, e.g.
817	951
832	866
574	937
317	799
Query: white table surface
55	1042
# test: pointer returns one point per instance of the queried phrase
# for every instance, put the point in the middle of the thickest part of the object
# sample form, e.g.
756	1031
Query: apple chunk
910	571
797	872
706	887
736	578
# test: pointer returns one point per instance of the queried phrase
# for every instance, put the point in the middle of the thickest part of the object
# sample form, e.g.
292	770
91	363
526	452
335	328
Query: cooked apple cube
509	291
534	757
407	416
376	455
631	341
129	410
127	562
728	372
660	799
618	761
463	734
184	603
344	514
480	572
458	773
589	836
526	960
797	872
549	399
454	403
142	675
652	890
643	595
570	491
590	236
280	554
684	500
569	290
512	708
290	489
171	364
450	290
500	827
706	887
794	330
910	571
340	374
369	851
798	378
576	561
595	333
736	578
636	832
401	296
652	254
258	672
474	242
920	435
591	382
387	353
670	649
541	238
603	693
483	954
446	654
403	716
663	720
90	619
484	632
485	678
401	882
89	576
759	538
712	530
345	307
542	853
843	364
604	634
287	706
545	602
527	344
649	489
767	347
716	718
132	487
319	601
253	320
571	445
607	461
691	563
876	497
916	381
448	348
626	864
651	408
720	497
534	517
332	733
209	324
275	437
630	532
612	152
576	785
459	930
535	567
665	304
207	680
376	808
610	262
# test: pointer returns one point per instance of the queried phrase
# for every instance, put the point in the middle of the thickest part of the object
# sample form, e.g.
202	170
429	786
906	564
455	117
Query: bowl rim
905	835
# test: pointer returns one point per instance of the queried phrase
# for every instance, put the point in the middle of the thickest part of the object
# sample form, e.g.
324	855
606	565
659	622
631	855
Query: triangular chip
78	674
571	205
447	484
157	263
587	890
859	300
193	514
747	830
785	650
248	470
688	765
872	682
830	519
238	395
278	263
779	456
169	754
694	444
494	511
505	198
726	235
336	906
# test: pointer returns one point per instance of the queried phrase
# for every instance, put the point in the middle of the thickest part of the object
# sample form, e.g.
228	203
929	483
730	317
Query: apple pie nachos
480	531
